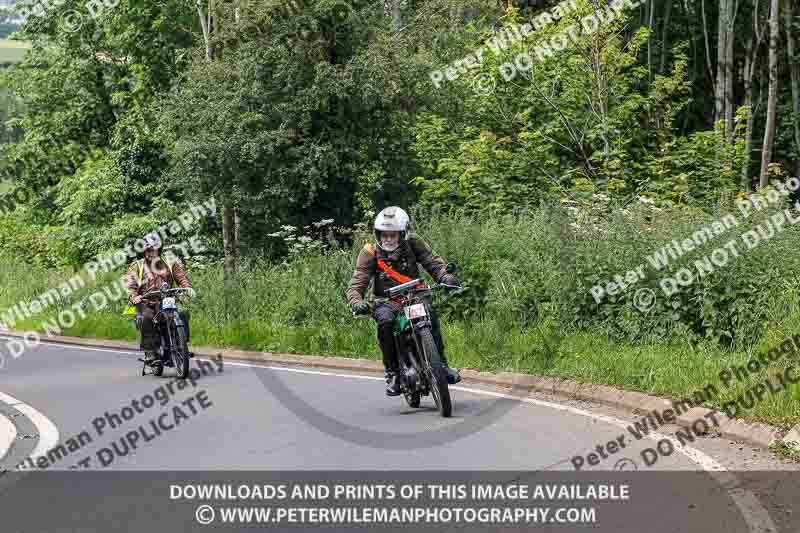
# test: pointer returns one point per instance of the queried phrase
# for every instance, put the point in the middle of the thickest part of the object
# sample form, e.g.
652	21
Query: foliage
539	184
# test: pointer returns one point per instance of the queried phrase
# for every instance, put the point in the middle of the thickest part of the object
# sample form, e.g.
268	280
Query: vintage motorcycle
174	333
421	369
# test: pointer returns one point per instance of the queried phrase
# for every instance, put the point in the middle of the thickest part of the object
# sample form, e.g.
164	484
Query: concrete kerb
753	433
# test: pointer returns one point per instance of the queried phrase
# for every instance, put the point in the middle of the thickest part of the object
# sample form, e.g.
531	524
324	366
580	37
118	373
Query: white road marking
696	456
77	346
757	518
8	432
48	432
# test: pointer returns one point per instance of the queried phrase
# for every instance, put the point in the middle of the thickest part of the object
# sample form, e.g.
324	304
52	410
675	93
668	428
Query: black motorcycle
422	371
174	333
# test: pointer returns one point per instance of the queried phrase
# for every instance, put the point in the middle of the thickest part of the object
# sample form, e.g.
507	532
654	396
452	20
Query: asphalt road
249	424
245	417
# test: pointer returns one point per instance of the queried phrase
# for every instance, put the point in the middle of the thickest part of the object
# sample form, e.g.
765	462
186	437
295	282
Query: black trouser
152	333
384	315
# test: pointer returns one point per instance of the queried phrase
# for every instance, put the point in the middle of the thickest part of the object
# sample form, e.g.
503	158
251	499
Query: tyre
413	399
180	351
437	374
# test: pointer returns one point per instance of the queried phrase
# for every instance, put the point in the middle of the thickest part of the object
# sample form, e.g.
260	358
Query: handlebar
410	286
158	294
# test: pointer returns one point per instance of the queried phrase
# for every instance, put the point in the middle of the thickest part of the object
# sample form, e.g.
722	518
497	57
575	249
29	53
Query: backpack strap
141	271
169	266
395	275
171	275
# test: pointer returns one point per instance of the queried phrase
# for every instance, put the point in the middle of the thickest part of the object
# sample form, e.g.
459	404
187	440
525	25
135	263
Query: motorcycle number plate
415	311
168	303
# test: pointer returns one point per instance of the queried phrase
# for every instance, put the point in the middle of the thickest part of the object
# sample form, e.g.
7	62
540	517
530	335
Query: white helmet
391	219
152	240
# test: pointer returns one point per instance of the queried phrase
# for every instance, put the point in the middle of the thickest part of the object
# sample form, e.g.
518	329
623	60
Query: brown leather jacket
404	260
152	279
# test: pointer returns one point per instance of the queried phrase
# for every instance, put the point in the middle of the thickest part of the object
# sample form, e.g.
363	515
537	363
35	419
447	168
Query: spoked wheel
413	399
436	374
180	351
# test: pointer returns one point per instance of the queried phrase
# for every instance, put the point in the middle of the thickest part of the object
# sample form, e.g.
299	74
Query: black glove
450	279
361	308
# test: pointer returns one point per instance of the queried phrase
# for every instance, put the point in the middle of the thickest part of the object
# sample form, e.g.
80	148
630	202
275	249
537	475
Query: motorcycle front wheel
437	374
179	350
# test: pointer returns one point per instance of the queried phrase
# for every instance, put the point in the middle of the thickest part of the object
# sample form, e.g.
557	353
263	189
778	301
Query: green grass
517	317
12	51
262	315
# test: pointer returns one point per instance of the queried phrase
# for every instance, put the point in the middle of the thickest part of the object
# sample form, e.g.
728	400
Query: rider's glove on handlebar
361	308
450	279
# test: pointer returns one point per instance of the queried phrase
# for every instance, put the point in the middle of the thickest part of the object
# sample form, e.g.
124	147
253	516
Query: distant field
12	51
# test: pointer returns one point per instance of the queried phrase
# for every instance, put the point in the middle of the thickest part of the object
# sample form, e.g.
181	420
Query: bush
543	267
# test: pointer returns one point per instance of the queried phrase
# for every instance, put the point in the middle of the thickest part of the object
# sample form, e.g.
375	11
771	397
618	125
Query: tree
794	70
288	117
752	49
772	102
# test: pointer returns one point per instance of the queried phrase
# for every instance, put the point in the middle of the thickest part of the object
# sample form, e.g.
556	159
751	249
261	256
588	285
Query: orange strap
395	275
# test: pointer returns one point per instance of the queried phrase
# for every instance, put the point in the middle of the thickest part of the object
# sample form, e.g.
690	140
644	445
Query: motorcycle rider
147	275
400	250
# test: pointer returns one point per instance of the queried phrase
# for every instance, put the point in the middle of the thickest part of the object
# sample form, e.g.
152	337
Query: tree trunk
749	60
650	26
240	214
396	14
729	40
665	37
708	48
602	104
794	70
229	228
229	236
719	94
772	101
206	26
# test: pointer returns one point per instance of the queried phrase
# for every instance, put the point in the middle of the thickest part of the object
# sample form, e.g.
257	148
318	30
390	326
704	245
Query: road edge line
753	433
8	434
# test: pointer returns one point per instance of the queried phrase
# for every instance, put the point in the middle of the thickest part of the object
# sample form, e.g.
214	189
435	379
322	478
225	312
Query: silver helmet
152	240
391	219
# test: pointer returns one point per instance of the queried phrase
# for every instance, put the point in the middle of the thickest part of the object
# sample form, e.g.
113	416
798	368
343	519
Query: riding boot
386	341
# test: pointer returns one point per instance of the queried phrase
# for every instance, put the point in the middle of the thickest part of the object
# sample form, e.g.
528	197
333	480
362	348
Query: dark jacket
404	260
